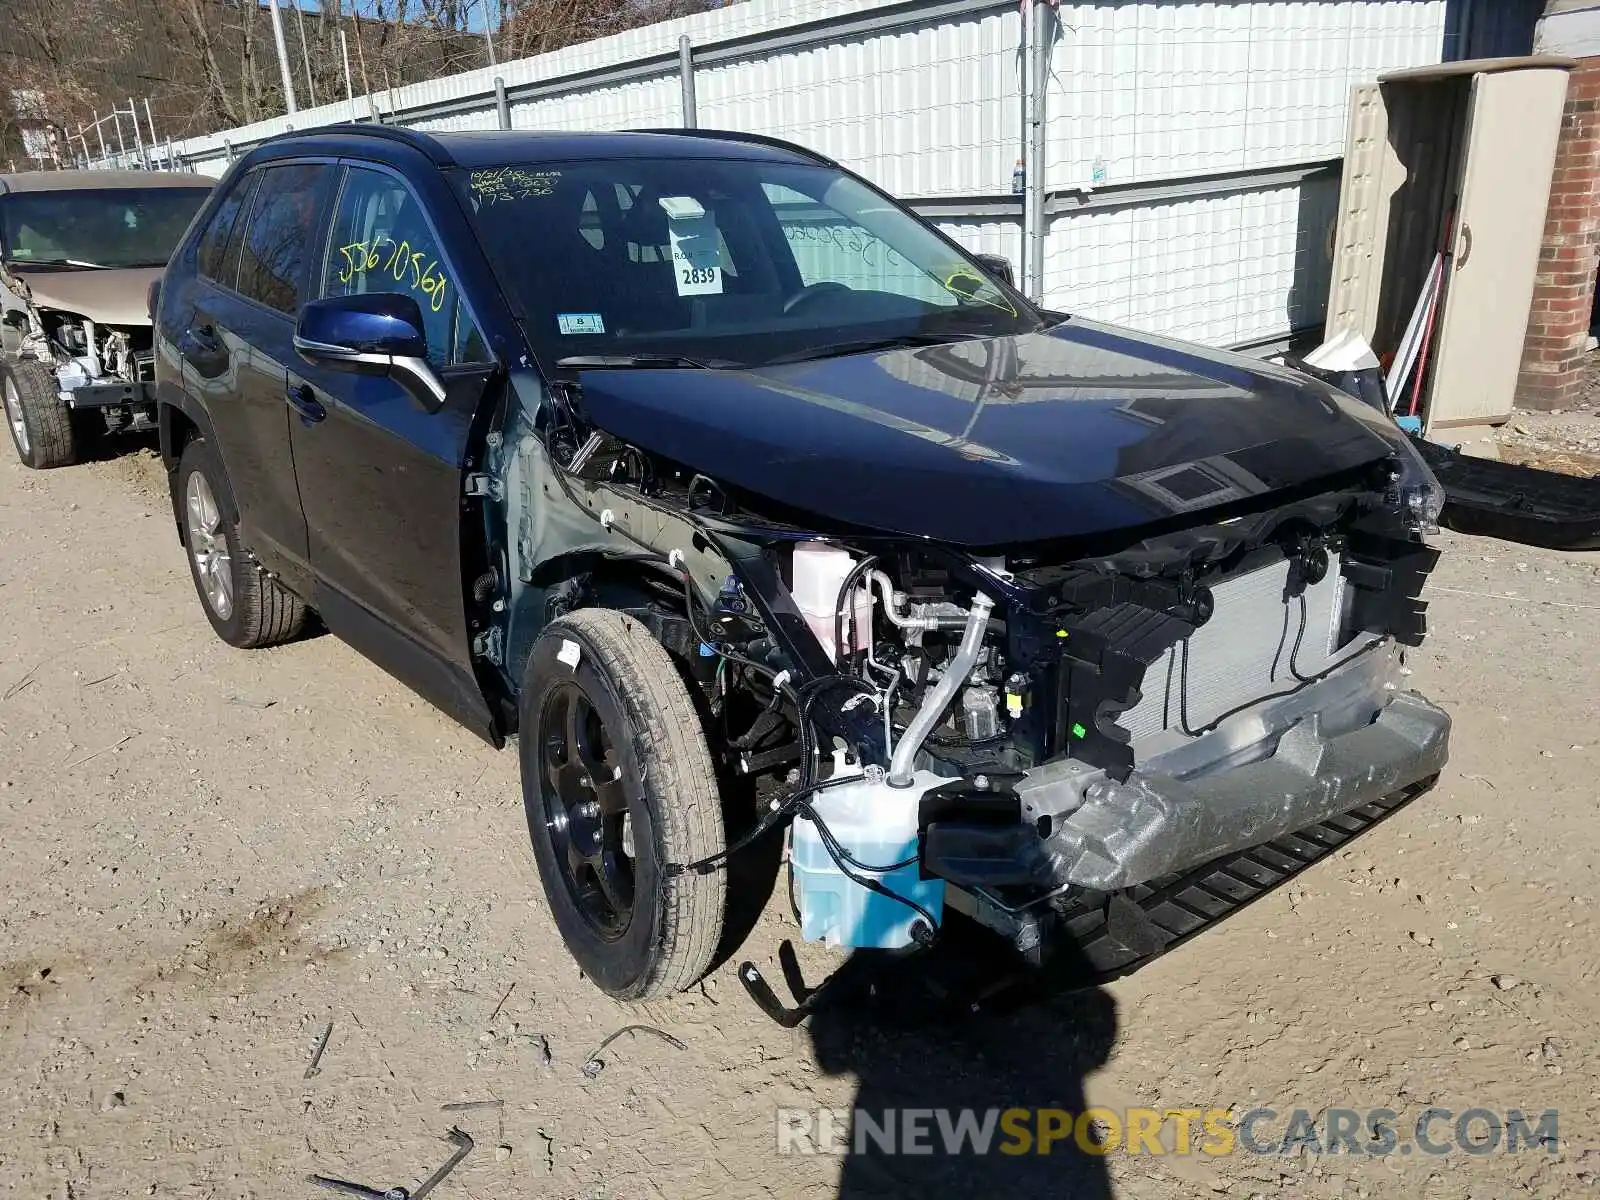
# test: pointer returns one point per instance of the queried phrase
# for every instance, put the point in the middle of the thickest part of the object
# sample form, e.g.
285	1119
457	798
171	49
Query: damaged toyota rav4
750	502
79	251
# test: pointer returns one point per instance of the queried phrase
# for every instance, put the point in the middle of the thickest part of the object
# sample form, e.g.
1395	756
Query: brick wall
1556	350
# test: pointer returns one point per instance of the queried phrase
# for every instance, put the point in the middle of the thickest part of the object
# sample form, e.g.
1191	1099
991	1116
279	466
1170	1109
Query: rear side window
280	238
213	252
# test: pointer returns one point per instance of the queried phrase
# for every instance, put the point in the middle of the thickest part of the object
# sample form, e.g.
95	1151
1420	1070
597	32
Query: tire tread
265	613
50	428
670	746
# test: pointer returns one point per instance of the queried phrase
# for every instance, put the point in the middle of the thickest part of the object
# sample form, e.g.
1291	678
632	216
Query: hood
107	297
1078	430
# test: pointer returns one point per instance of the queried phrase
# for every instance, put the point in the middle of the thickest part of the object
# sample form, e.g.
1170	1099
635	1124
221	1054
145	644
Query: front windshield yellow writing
401	262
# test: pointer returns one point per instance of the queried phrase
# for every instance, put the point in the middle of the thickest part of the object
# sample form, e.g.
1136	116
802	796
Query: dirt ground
206	855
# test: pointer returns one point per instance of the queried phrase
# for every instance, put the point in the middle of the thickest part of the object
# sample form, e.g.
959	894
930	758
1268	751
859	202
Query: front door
380	479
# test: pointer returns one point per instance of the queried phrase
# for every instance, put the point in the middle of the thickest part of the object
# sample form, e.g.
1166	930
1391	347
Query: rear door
237	346
380	479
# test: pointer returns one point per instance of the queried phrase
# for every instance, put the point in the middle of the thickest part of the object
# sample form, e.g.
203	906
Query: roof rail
755	139
414	138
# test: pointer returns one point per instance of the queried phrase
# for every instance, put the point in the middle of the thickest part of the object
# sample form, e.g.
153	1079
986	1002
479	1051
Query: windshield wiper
58	262
628	362
868	345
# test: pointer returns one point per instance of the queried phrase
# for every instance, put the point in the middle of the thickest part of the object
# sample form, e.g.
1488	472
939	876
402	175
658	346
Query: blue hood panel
1082	429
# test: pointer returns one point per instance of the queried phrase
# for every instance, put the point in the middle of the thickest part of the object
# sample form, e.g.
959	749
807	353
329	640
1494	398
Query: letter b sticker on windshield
696	247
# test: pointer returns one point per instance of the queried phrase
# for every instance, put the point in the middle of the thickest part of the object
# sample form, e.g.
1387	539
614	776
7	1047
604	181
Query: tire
246	607
603	663
40	424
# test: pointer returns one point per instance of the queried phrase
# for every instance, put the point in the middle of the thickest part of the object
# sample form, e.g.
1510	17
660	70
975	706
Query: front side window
722	260
97	227
278	242
382	242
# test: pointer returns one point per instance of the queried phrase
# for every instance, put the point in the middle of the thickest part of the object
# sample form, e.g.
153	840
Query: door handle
304	401
1464	246
201	338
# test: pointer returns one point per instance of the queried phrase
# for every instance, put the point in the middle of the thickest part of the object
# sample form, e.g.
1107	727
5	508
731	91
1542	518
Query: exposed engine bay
1004	731
107	368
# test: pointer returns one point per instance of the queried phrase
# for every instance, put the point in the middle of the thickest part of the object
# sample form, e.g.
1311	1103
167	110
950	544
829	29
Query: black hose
1298	638
850	582
785	808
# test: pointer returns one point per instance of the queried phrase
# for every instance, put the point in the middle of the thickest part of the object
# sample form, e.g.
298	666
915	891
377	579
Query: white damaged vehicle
79	251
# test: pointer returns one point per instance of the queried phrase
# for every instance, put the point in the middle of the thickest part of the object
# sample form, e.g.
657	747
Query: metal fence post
686	80
138	134
1028	78
1037	184
502	106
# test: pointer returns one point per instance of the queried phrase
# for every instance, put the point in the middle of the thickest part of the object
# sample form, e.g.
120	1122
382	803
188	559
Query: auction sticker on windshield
696	247
575	323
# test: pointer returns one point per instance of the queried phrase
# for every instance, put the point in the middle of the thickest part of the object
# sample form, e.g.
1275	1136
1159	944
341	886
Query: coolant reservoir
819	573
877	824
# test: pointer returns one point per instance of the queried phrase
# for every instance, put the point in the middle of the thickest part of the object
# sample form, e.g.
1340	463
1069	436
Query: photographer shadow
960	1029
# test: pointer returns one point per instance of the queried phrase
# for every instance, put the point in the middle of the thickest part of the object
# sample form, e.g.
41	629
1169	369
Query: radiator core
1243	653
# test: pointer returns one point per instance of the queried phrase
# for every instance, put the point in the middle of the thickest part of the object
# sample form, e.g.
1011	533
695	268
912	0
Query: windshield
723	262
99	227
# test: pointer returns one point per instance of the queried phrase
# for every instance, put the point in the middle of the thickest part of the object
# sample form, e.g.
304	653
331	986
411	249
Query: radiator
1231	657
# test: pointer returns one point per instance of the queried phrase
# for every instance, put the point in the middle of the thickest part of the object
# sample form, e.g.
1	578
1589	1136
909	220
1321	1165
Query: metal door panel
1358	241
1514	121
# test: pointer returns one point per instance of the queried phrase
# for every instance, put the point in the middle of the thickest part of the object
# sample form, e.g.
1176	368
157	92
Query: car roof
79	181
489	148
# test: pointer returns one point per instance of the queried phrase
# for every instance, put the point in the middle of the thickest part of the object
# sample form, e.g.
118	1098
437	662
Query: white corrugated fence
1189	175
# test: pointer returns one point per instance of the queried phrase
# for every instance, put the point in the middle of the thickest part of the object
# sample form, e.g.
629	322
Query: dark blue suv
712	471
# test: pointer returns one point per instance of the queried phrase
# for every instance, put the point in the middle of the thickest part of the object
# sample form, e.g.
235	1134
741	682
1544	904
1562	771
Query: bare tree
44	52
538	26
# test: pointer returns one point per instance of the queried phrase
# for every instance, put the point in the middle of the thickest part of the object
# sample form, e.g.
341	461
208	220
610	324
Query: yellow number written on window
401	262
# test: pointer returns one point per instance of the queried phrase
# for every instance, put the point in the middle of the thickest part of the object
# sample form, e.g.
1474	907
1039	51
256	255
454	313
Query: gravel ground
1568	442
206	855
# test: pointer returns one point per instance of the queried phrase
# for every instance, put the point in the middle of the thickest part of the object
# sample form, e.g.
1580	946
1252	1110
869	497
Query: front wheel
617	783
41	426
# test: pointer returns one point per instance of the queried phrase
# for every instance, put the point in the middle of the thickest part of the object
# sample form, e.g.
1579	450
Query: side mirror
152	299
379	333
999	266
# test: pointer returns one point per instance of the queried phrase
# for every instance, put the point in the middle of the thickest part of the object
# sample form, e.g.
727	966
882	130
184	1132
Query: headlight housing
1414	491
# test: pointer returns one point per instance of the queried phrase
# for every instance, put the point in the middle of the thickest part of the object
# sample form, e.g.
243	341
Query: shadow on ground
917	1037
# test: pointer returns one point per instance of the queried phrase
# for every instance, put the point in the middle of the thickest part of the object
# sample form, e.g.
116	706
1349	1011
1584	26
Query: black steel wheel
586	810
617	783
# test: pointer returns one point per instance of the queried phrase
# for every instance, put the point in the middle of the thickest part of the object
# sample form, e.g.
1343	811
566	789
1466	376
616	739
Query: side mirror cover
999	266
377	333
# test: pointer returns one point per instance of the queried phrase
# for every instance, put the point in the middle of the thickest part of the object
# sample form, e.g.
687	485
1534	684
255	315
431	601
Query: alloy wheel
19	427
208	545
